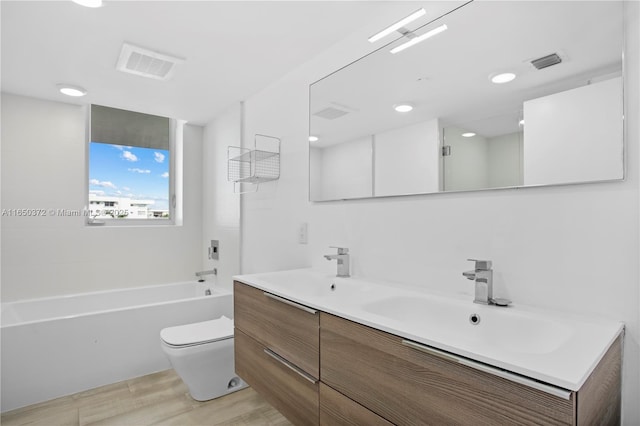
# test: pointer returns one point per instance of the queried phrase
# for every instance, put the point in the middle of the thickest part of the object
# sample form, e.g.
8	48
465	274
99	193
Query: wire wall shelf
254	166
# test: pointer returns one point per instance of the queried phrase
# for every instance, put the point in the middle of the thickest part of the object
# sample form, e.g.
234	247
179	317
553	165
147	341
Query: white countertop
553	347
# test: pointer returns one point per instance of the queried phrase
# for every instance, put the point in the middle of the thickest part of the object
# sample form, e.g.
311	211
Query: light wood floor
156	399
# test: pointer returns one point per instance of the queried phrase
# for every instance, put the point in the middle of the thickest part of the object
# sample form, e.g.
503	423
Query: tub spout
201	274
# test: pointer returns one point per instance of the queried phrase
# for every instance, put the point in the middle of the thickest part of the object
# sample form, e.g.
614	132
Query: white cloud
96	192
129	156
159	157
126	188
165	175
118	147
137	170
104	184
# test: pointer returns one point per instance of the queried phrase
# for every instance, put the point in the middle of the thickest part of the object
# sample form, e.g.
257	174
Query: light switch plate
302	234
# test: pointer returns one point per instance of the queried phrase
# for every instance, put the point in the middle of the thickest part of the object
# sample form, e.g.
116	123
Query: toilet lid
199	332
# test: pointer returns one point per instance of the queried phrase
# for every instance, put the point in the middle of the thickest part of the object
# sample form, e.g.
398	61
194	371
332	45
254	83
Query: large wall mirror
558	120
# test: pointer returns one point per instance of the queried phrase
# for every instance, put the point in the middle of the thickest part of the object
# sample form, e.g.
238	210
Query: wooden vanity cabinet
407	386
336	409
295	396
317	368
277	351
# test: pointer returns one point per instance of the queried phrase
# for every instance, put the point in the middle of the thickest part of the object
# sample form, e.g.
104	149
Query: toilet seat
198	333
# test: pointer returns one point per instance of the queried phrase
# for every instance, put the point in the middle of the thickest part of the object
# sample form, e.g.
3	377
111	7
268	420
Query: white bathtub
57	346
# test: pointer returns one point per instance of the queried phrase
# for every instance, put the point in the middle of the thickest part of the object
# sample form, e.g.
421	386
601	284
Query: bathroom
570	248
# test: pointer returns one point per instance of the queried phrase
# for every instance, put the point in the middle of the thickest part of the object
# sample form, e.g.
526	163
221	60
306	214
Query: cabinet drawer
290	331
408	386
288	390
338	410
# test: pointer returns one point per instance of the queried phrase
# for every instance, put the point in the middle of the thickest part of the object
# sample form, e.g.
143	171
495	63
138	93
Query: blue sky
122	171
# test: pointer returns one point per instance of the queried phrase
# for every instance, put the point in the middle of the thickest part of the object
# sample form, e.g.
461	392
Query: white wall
561	146
467	167
43	167
407	159
343	170
505	160
220	206
573	248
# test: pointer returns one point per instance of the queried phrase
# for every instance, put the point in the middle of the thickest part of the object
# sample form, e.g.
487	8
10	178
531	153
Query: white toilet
202	355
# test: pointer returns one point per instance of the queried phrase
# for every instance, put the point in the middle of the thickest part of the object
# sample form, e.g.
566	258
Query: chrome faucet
483	276
343	261
200	274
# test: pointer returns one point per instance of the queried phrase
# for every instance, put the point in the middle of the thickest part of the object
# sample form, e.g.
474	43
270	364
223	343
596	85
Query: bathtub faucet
200	274
343	260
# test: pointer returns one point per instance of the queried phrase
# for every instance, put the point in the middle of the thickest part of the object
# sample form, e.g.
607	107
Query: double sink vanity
340	350
330	350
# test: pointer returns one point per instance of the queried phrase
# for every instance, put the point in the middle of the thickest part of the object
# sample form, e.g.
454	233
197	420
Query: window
131	158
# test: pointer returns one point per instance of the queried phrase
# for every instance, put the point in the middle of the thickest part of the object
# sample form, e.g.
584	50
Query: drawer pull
289	365
290	303
550	389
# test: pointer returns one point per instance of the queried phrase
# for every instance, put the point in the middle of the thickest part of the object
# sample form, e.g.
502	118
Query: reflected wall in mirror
559	121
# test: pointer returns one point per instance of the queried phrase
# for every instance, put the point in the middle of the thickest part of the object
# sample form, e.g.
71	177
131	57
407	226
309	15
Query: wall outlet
302	233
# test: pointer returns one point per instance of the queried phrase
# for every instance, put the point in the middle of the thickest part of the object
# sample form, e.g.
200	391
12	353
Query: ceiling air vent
333	111
146	63
546	61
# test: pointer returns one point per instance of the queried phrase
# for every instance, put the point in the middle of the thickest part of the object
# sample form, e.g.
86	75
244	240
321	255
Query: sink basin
461	323
304	285
412	309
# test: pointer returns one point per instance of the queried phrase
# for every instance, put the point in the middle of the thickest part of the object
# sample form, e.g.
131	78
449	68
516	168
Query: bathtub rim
216	291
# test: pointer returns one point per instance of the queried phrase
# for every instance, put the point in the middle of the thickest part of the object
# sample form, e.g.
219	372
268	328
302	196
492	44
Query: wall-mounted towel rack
254	166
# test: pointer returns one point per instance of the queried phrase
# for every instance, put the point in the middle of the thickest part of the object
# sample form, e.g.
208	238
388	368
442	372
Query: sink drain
474	319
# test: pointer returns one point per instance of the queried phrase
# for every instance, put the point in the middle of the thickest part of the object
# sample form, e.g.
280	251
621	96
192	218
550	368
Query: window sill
128	223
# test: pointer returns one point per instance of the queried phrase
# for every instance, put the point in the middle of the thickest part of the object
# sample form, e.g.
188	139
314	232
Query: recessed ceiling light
69	90
313	139
521	123
403	107
418	39
401	23
468	135
89	3
503	77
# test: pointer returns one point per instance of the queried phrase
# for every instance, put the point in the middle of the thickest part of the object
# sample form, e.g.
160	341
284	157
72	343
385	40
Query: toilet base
234	384
208	370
